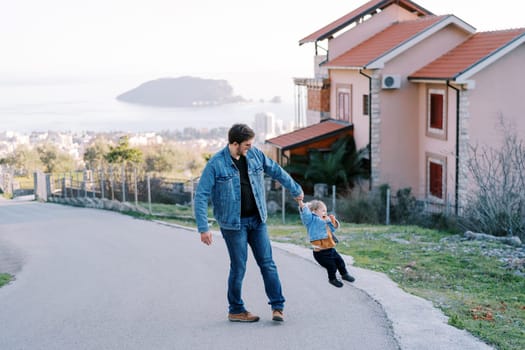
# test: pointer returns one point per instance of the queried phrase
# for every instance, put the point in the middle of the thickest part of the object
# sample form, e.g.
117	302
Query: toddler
320	228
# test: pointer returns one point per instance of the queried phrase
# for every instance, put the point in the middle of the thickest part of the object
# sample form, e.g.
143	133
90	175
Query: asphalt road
94	279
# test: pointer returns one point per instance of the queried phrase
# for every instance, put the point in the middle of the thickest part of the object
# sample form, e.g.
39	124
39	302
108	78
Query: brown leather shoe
243	317
278	315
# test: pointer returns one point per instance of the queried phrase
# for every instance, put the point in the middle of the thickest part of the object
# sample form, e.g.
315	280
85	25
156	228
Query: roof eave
313	139
329	33
379	62
345	67
350	21
365	12
428	80
489	59
465	84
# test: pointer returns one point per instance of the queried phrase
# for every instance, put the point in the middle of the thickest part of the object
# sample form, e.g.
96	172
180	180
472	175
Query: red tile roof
383	42
367	9
469	53
305	135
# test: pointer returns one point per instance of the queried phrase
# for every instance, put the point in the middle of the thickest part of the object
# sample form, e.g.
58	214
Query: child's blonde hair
315	204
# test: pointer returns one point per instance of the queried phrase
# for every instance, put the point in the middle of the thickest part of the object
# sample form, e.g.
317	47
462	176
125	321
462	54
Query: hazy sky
172	37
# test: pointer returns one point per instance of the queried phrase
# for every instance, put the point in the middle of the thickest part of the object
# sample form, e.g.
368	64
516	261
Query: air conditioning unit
391	81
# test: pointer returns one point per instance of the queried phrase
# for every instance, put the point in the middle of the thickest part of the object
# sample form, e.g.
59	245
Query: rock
514	240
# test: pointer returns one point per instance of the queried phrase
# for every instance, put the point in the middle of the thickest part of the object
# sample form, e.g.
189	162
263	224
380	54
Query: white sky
200	37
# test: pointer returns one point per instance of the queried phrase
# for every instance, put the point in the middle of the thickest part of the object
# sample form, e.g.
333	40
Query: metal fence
140	191
156	195
122	184
388	208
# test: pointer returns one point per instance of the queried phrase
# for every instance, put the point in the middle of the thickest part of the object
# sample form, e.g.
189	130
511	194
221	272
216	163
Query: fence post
12	181
77	181
333	198
84	182
102	183
112	182
48	180
71	181
123	184
93	184
387	206
149	194
135	184
64	188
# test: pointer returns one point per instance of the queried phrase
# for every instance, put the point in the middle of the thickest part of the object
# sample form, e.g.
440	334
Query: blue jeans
253	232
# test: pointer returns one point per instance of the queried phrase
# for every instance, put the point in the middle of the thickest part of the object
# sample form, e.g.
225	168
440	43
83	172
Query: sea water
91	105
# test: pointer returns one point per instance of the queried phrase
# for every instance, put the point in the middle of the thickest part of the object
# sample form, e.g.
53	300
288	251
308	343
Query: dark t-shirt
248	205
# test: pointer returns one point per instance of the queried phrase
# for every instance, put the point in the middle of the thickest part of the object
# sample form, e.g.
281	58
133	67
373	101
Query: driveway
94	279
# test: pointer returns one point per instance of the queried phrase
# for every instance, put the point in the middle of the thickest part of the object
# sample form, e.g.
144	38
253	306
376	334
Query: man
234	179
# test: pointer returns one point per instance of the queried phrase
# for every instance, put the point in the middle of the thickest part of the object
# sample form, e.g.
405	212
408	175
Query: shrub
497	201
370	208
360	208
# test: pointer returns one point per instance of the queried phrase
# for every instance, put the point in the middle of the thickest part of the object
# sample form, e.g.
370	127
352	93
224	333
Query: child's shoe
336	282
348	277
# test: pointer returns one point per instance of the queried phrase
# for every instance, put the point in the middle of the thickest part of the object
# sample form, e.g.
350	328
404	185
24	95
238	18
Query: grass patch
474	290
5	279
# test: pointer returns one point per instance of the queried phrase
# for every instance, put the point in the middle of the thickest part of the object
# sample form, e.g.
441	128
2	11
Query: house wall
359	85
442	147
426	51
354	36
498	93
398	137
403	142
499	90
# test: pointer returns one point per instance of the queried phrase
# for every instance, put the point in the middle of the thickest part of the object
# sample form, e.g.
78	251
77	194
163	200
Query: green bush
360	208
370	208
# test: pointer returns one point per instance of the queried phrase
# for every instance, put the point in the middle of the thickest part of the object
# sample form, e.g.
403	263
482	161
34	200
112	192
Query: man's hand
300	197
206	237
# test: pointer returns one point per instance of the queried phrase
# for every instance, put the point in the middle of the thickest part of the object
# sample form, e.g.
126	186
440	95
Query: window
436	118
366	107
436	177
343	104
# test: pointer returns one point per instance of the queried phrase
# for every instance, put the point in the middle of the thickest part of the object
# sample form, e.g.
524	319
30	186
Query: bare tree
497	204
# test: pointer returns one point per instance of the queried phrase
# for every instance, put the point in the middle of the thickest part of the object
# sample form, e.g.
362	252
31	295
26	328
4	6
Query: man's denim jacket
315	226
220	180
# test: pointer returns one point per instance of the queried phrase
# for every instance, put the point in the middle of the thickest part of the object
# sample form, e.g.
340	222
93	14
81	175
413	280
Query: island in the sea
183	91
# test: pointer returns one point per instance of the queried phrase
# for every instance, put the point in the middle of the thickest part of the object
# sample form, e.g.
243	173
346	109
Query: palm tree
342	166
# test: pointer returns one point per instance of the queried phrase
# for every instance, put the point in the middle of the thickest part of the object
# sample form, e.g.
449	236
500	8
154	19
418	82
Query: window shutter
436	111
436	179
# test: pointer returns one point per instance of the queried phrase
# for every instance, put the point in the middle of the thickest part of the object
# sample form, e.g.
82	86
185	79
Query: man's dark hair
239	133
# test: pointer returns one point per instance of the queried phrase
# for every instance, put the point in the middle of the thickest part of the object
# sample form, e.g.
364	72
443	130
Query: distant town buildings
267	126
75	143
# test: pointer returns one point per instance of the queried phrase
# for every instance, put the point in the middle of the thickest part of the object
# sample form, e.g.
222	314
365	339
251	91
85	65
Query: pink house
418	89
